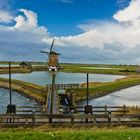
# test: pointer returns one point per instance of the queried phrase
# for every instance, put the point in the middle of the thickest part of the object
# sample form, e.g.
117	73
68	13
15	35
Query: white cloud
28	22
5	16
129	14
23	41
101	41
125	30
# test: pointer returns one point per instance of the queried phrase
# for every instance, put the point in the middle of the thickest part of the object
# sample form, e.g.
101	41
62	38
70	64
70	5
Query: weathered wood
71	118
66	86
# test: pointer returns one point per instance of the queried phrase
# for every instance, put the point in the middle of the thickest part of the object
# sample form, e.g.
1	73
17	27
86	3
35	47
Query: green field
100	68
71	134
78	68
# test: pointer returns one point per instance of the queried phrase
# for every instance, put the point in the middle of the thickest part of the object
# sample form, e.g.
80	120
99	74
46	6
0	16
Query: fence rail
66	86
73	118
118	115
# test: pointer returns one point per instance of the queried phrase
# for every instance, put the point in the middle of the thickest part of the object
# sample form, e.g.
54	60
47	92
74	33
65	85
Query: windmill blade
44	52
52	45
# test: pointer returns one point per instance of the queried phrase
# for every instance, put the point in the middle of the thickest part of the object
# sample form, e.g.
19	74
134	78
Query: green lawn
69	134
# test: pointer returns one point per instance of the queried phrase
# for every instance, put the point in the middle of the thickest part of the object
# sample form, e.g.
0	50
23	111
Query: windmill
53	58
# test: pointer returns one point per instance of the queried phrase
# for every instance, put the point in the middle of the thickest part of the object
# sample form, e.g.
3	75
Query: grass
101	89
113	69
71	134
77	68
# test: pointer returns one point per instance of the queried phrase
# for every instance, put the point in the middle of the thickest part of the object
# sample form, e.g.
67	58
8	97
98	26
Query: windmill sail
53	59
52	45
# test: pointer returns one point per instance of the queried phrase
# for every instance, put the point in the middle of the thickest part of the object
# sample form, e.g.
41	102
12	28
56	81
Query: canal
129	97
17	99
43	78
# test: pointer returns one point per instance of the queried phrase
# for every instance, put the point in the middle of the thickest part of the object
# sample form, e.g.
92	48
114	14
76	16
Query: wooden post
105	109
109	116
124	109
10	83
52	96
87	90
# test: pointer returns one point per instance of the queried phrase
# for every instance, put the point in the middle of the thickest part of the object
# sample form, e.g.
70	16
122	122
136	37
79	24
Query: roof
25	63
53	52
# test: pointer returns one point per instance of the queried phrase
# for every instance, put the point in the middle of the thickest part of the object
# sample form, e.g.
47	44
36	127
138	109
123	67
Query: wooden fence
101	119
101	115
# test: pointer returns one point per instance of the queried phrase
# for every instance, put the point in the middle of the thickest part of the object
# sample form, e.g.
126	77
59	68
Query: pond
6	65
17	100
43	78
129	97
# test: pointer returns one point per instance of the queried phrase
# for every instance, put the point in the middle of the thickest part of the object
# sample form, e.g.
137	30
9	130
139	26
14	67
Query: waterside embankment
30	90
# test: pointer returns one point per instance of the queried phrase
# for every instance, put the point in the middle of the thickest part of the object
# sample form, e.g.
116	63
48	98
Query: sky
85	31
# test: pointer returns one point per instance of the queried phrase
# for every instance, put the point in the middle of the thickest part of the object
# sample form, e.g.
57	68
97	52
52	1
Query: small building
25	65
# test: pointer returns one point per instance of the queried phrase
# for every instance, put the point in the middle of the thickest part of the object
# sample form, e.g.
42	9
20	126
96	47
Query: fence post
109	116
124	109
105	109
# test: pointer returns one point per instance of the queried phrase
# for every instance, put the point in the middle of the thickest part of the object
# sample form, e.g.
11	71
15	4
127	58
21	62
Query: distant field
100	68
81	68
71	134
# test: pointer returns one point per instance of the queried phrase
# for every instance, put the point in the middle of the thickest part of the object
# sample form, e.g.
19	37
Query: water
7	65
17	99
129	97
43	78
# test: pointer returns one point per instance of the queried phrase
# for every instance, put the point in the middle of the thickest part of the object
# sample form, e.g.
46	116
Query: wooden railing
104	109
66	86
103	119
101	115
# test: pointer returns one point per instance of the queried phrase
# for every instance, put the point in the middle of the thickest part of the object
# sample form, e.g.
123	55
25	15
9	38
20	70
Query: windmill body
53	59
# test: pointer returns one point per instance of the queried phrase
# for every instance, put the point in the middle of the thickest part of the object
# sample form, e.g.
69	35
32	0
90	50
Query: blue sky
86	31
62	17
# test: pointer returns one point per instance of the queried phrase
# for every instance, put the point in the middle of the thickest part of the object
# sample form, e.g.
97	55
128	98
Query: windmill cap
53	52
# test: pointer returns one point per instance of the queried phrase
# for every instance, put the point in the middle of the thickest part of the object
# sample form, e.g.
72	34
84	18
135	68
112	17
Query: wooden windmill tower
53	58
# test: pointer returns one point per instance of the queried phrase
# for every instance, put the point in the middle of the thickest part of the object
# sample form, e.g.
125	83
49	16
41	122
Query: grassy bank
39	93
29	90
101	89
70	134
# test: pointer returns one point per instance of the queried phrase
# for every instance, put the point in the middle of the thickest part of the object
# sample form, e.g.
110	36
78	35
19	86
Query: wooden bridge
101	115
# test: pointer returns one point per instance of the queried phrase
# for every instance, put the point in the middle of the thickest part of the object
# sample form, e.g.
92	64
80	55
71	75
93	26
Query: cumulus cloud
125	30
5	17
129	14
22	41
26	23
114	41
